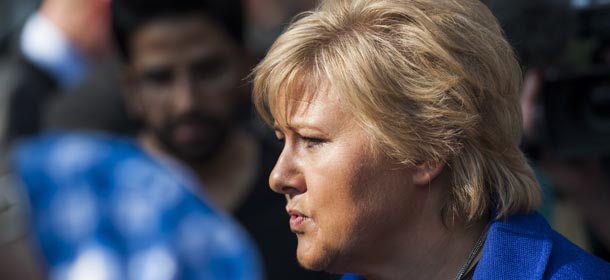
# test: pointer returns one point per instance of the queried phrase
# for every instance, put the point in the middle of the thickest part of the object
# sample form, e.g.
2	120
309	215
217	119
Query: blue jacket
525	247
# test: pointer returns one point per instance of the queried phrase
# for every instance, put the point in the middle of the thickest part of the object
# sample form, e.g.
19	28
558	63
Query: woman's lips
296	221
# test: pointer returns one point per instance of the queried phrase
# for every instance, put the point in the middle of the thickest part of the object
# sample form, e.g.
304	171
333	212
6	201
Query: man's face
185	74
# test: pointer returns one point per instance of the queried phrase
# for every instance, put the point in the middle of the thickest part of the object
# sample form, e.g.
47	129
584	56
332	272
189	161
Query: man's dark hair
129	15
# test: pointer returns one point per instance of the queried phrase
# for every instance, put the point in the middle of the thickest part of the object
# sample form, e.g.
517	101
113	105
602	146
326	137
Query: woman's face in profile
342	200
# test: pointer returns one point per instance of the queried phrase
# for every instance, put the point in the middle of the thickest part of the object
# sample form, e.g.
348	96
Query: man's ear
426	172
130	92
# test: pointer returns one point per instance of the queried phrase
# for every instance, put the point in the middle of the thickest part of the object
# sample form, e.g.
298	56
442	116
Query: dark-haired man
184	77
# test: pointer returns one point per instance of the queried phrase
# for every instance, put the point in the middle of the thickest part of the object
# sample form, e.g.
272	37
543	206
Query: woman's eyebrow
298	128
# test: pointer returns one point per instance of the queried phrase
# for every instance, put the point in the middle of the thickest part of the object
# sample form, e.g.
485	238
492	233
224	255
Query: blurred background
564	49
265	18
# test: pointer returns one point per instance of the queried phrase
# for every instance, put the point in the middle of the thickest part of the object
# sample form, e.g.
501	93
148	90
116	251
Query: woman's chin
311	256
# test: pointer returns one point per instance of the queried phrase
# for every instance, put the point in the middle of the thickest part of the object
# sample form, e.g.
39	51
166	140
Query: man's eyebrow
155	71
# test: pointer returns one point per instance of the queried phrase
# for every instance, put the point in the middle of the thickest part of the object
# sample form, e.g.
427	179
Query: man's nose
184	94
287	176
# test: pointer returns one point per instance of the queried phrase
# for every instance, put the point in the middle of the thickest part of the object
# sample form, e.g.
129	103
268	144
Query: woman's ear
426	172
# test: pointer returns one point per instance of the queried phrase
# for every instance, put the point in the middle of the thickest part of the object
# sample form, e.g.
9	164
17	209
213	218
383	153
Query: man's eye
157	77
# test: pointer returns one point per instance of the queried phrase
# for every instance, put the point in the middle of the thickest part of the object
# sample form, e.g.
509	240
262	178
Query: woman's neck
425	246
437	252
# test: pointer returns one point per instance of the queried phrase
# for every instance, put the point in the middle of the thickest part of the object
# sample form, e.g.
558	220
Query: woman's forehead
291	104
303	102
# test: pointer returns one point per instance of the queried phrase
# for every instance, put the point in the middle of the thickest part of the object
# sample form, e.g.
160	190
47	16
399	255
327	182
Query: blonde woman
401	124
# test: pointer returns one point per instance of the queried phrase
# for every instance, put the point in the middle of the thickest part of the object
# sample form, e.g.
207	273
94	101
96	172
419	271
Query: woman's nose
286	176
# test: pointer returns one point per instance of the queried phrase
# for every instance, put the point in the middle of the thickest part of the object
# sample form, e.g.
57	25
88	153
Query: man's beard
210	135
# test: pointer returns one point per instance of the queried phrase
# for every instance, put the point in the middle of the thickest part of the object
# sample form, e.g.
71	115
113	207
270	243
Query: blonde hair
430	80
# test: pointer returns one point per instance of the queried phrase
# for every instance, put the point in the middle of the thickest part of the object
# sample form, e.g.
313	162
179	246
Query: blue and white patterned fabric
104	209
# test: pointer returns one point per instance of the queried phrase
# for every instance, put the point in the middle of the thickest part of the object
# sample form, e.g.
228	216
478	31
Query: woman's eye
313	142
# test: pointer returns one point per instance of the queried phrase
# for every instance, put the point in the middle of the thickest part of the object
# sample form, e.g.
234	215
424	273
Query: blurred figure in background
61	73
184	70
580	180
104	209
55	73
563	47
